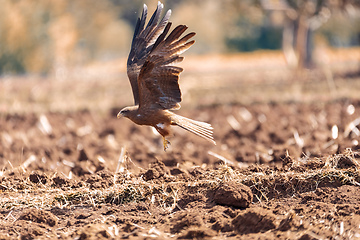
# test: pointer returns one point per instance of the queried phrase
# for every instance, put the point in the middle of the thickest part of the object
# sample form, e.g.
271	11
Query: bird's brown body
157	118
154	78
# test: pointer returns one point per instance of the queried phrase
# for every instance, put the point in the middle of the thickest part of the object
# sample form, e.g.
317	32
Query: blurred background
90	39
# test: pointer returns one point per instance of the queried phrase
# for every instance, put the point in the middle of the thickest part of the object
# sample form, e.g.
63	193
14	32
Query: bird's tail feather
201	129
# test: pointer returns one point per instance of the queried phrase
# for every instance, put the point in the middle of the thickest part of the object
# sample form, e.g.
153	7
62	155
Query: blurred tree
129	10
302	18
208	23
49	35
250	28
19	48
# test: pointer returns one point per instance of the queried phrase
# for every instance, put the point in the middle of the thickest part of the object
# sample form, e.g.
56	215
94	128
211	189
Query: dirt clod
233	194
290	222
39	216
254	220
190	200
31	232
157	170
100	180
38	177
344	162
92	231
60	181
197	233
184	220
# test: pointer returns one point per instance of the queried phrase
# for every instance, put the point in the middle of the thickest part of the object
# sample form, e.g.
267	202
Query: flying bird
154	77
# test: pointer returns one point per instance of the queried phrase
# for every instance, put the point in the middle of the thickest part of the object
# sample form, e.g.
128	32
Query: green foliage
266	38
11	63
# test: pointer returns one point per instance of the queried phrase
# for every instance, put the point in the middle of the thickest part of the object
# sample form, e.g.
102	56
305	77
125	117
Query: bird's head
126	111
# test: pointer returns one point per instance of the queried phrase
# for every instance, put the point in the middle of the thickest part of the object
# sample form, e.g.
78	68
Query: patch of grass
129	194
266	183
275	184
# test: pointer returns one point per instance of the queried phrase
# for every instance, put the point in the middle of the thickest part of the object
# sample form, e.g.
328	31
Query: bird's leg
165	143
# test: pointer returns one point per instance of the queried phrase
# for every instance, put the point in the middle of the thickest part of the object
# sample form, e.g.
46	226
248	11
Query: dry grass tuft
340	169
265	182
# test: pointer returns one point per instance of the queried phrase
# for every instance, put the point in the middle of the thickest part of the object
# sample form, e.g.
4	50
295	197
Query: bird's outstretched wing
143	41
158	78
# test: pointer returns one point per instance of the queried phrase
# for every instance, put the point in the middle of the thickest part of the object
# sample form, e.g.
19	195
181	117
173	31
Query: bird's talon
166	143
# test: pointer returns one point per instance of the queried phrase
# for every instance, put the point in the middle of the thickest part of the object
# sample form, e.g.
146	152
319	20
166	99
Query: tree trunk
297	43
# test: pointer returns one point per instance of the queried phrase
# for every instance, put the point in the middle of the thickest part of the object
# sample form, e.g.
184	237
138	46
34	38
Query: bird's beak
119	115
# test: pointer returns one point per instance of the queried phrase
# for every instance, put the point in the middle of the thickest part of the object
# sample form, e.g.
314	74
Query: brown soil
280	170
63	182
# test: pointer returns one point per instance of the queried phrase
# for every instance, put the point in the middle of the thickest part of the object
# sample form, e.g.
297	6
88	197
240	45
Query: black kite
154	77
